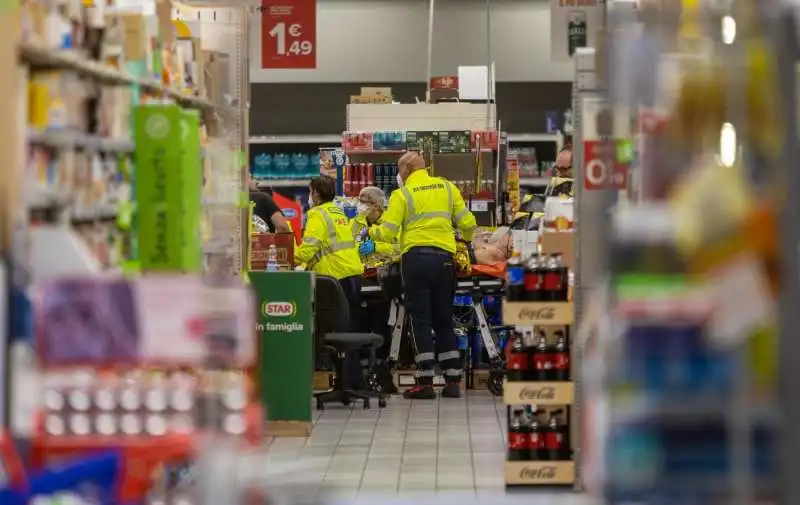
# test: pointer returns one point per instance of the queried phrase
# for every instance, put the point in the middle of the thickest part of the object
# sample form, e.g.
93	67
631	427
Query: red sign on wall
599	171
288	34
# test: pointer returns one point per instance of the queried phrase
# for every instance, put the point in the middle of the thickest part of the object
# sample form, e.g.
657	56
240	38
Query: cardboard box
373	99
376	91
259	246
559	242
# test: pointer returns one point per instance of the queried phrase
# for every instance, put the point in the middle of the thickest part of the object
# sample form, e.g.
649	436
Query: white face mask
399	181
310	201
362	208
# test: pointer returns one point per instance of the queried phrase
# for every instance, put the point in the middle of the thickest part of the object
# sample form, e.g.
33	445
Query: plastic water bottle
272	259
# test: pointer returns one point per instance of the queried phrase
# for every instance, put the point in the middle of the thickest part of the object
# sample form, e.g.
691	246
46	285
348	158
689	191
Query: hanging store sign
288	34
573	24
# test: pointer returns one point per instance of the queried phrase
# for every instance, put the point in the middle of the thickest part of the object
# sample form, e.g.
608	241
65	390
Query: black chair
332	321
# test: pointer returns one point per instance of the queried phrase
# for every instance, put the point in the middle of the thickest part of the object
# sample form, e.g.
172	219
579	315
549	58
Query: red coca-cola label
517	440
562	360
552	281
554	440
541	361
517	361
533	281
536	441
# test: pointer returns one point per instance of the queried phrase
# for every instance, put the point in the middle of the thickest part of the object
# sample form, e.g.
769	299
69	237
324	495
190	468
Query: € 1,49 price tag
289	34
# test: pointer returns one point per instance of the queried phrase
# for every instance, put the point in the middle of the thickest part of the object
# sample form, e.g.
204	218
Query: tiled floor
453	446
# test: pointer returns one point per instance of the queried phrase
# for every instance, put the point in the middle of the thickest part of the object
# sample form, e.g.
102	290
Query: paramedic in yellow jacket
328	247
371	202
427	208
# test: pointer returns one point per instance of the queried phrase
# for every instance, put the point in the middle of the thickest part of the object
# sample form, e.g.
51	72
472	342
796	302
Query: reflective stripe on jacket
359	223
427	208
328	246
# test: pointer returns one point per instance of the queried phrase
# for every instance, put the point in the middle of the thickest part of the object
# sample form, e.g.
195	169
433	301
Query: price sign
289	34
600	168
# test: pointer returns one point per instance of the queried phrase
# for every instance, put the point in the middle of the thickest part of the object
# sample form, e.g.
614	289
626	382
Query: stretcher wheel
495	384
366	404
382	403
320	404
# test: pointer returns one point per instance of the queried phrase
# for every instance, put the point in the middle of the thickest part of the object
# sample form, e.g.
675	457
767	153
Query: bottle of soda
566	443
552	281
537	443
515	278
554	437
561	357
542	359
518	435
517	363
563	271
533	279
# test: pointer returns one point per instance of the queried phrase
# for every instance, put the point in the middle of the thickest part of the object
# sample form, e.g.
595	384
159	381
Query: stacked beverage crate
539	391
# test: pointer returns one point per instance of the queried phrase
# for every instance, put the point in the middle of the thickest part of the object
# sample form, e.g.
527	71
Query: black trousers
429	282
352	291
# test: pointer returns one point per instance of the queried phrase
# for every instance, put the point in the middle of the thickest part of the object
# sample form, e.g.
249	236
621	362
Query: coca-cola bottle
566	443
542	359
554	436
552	280
517	360
534	279
563	271
537	443
561	357
515	278
518	436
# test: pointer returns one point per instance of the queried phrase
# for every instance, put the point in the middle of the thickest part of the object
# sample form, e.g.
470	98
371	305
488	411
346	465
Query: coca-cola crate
540	473
538	393
259	246
538	313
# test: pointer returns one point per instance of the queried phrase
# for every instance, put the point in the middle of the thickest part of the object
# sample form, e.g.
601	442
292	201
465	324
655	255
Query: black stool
332	321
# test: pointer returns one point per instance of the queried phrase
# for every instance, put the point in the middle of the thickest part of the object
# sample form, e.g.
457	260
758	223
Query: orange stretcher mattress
492	270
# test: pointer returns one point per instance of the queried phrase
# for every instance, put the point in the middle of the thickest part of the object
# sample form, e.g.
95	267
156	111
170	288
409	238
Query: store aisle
410	447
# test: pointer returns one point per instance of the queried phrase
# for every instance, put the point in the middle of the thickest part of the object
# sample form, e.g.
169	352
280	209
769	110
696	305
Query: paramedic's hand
366	248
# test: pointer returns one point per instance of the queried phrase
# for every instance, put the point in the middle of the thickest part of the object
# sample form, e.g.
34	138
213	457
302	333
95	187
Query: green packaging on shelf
454	141
192	189
159	187
427	142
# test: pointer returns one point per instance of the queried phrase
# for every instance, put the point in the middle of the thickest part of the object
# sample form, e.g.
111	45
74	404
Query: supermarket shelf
284	183
298	139
540	473
57	251
538	393
533	137
534	181
538	313
95	213
77	140
39	56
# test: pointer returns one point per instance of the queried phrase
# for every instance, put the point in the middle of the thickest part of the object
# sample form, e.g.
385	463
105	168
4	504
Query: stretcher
485	280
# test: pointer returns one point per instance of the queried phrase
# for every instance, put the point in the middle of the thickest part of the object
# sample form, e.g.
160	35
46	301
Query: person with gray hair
371	202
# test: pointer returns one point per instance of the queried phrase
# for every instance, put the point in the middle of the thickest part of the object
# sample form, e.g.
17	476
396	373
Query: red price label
289	34
599	169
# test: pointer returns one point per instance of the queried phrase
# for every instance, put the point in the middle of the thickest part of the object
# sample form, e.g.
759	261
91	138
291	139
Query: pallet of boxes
539	388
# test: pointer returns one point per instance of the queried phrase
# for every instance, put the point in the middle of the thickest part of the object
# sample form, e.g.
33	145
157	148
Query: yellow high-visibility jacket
426	208
328	247
359	223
